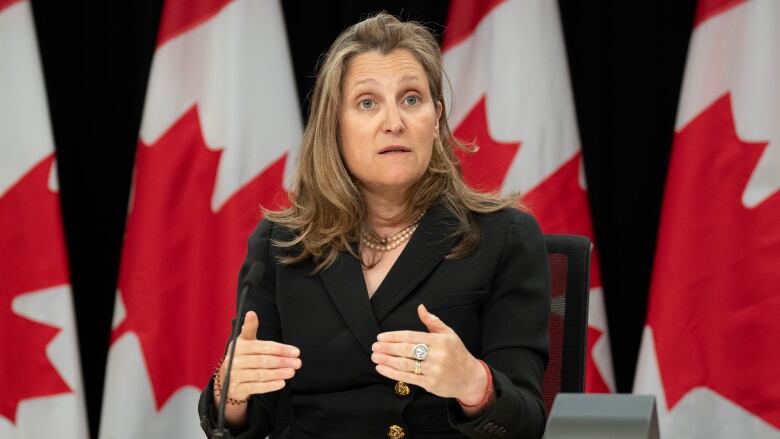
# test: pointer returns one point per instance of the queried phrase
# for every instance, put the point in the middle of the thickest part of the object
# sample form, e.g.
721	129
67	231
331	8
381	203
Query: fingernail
381	336
374	346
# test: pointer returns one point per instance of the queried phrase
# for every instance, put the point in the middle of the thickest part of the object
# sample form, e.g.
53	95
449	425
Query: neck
386	211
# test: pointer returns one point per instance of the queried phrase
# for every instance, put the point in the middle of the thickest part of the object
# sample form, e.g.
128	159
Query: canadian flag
710	347
40	372
221	119
506	61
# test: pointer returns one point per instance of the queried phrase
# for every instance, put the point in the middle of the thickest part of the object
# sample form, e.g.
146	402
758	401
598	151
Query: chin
393	184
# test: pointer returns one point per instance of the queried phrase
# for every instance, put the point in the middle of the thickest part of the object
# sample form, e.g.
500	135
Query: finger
412	337
249	329
433	323
397	375
267	347
398	349
398	363
266	362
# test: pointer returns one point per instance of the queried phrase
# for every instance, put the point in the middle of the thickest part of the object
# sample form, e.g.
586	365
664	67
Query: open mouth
394	150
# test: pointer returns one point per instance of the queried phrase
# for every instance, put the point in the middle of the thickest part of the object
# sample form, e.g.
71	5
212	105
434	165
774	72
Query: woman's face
388	121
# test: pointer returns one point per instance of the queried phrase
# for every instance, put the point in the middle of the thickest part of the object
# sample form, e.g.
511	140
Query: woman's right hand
259	366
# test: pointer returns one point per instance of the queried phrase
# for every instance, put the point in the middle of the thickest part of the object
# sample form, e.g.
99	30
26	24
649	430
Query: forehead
398	65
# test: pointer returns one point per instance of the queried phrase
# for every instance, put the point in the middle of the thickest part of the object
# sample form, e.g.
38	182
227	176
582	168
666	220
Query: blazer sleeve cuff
209	415
497	421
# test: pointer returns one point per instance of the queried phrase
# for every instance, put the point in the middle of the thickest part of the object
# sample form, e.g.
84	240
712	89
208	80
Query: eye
412	100
366	104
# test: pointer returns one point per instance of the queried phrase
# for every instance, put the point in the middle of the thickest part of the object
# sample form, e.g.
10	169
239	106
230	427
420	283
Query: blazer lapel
345	284
432	240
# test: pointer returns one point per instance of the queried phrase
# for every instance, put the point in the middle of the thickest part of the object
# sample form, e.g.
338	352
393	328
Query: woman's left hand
449	371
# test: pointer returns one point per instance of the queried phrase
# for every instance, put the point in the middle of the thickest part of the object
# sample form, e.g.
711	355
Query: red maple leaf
560	205
714	302
180	259
33	258
558	202
486	168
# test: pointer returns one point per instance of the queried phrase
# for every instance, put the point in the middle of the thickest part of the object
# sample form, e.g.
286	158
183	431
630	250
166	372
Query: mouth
394	149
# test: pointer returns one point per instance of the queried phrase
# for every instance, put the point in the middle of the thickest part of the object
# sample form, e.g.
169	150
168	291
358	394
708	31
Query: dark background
626	61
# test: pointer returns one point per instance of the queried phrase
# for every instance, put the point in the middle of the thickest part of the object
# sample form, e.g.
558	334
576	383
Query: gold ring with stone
420	351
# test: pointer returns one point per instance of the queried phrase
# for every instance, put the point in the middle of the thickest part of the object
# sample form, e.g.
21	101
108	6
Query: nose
393	122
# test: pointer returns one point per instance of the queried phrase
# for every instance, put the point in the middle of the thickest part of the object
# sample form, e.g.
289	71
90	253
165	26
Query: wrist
479	391
219	372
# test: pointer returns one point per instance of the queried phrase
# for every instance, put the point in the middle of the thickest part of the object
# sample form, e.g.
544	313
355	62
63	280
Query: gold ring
417	367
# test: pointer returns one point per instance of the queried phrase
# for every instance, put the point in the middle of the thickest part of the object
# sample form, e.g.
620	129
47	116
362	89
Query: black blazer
497	300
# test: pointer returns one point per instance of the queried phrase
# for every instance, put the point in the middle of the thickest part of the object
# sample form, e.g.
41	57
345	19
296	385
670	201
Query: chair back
569	259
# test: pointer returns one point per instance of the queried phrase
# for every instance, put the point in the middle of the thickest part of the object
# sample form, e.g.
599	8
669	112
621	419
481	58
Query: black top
497	300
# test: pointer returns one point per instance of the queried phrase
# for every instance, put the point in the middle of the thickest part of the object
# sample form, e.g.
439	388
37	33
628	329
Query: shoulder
267	238
268	230
510	220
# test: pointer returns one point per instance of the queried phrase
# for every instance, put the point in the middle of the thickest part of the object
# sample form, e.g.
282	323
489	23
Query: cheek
425	160
349	142
427	136
350	157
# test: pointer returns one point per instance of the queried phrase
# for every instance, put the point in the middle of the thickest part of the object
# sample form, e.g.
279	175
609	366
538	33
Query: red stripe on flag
6	3
464	16
710	8
179	16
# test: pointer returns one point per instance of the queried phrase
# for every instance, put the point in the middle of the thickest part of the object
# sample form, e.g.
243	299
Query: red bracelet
488	388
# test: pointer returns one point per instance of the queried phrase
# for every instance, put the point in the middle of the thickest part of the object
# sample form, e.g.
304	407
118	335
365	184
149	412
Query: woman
396	302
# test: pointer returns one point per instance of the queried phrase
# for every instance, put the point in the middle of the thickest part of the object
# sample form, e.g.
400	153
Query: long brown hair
327	208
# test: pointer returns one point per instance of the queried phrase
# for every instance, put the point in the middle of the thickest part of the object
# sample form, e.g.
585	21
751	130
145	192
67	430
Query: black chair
569	258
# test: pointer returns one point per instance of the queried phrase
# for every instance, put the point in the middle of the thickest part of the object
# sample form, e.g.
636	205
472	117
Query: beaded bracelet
488	388
218	387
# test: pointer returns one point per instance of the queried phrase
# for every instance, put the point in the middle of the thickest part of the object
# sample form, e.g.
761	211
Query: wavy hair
327	209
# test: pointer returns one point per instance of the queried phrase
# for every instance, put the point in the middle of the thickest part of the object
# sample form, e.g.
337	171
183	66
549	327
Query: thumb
249	329
433	323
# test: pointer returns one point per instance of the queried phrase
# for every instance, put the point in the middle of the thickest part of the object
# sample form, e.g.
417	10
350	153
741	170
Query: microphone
252	280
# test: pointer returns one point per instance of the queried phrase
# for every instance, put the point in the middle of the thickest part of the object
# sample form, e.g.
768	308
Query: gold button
395	432
401	389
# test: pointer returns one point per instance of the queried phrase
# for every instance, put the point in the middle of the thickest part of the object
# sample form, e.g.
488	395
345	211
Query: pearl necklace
390	242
